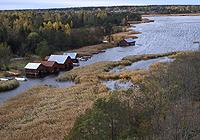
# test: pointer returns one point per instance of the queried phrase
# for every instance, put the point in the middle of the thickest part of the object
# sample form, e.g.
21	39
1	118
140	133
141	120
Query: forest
41	32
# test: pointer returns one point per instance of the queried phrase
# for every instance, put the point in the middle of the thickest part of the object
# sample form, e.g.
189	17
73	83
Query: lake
166	34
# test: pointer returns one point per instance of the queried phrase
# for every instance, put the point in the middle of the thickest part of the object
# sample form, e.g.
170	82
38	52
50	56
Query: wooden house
127	42
73	56
64	61
34	70
50	66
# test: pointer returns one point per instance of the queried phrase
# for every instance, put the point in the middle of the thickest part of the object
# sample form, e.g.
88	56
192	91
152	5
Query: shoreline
154	15
89	51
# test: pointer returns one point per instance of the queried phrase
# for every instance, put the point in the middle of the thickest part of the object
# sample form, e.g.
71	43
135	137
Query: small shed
64	61
127	42
50	66
34	69
73	56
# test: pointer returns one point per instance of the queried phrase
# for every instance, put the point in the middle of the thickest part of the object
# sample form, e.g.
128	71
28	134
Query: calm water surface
49	80
166	34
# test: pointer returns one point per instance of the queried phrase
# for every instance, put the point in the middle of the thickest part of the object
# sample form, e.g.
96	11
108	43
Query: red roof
48	63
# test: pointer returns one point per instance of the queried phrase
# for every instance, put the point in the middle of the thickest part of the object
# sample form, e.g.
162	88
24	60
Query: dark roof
48	63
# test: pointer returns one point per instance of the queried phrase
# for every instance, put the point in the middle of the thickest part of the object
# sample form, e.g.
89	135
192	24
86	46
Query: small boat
105	41
76	64
20	78
3	79
82	59
102	51
6	78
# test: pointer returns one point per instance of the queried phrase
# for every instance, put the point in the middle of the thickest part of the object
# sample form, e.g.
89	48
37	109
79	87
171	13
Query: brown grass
49	113
2	73
122	35
90	50
44	113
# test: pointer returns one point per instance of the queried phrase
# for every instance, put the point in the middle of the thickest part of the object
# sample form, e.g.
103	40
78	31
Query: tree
109	119
33	39
42	49
5	55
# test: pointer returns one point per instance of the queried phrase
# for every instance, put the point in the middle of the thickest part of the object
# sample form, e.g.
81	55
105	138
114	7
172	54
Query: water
166	34
116	84
49	80
143	64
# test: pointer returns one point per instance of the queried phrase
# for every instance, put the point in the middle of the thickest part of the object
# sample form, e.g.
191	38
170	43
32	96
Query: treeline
168	9
31	32
150	9
165	107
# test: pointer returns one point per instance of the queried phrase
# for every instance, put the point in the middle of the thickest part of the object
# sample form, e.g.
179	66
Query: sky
41	4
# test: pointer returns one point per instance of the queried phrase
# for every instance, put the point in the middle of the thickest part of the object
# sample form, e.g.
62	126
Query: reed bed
8	85
49	113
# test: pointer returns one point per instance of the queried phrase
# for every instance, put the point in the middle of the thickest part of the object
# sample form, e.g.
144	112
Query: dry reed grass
49	113
8	85
90	50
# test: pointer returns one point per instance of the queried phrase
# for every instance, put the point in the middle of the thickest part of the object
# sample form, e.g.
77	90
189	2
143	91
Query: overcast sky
38	4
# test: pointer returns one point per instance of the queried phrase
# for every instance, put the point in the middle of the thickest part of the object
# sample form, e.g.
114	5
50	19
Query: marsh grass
93	49
49	113
8	85
122	35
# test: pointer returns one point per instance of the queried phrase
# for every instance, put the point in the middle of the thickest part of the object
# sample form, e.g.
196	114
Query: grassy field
8	85
49	113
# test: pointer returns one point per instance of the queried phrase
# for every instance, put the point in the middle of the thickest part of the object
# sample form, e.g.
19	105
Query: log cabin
127	42
34	70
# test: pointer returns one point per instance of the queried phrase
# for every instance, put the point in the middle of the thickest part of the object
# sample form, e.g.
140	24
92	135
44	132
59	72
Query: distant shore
188	14
88	51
